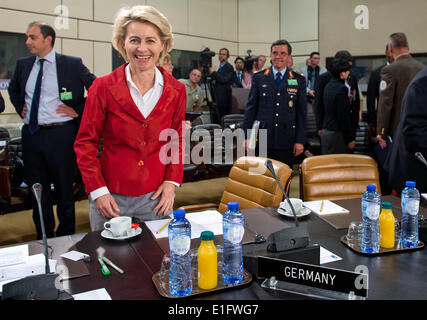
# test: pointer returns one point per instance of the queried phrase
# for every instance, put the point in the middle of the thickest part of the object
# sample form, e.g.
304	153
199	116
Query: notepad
200	221
329	207
99	294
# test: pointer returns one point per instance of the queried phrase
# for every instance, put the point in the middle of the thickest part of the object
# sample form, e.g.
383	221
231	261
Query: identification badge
291	104
66	96
292	82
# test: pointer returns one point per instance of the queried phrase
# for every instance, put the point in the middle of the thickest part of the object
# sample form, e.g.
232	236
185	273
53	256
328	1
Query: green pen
105	271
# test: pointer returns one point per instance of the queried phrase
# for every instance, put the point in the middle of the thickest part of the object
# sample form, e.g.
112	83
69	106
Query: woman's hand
351	145
167	192
107	206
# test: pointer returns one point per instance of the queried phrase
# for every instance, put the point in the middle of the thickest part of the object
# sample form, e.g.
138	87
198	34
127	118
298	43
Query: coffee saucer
108	235
302	213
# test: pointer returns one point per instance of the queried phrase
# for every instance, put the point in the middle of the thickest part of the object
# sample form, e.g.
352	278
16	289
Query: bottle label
373	211
180	245
235	234
412	207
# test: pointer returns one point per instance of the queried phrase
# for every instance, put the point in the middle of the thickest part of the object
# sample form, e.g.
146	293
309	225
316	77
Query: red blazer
129	162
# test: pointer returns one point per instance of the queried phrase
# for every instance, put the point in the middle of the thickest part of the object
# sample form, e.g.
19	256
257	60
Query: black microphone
37	191
288	238
420	158
269	166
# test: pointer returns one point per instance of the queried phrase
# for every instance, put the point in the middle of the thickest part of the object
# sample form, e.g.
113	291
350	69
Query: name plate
314	276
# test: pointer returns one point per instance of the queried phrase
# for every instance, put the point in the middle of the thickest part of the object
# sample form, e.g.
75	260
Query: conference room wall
341	27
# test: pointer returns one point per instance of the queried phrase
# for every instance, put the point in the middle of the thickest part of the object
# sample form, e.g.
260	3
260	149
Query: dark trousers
282	155
49	158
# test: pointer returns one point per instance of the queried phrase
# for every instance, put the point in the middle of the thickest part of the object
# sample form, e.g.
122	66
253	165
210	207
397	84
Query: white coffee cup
119	226
296	203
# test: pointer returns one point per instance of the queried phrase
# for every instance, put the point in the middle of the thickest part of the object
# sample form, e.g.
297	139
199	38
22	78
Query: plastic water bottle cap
179	214
371	187
387	205
207	236
233	205
410	184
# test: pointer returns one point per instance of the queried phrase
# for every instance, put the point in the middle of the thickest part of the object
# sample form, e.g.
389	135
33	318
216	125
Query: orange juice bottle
207	262
386	220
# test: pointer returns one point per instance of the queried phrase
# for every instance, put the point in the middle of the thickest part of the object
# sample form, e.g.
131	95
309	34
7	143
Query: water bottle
371	205
233	231
410	201
180	273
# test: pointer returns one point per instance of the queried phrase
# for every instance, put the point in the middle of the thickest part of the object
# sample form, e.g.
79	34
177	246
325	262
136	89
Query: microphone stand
291	243
37	191
269	166
421	158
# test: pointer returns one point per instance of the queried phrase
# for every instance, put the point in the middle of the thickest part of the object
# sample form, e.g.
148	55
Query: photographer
248	71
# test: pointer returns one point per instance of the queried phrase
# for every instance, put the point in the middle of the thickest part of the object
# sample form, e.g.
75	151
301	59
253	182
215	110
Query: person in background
167	63
260	62
239	64
337	134
353	93
373	93
223	81
139	110
248	72
410	138
311	73
195	95
277	99
47	91
395	78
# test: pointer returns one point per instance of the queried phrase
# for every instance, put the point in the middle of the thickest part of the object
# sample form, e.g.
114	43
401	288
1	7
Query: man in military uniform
278	101
395	78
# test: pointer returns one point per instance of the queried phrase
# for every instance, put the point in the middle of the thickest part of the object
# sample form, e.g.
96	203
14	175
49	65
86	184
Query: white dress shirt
145	104
49	96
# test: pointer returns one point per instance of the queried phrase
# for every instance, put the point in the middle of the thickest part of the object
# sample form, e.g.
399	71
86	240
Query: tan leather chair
337	176
251	185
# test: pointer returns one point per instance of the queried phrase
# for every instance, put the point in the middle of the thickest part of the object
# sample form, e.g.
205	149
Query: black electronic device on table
287	244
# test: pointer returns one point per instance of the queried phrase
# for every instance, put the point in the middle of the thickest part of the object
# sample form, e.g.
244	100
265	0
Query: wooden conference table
391	276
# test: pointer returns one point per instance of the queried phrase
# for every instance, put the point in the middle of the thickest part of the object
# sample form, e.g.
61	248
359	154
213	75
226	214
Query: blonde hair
141	14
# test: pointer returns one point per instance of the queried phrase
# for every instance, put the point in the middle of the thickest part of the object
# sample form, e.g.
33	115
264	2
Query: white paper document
424	195
328	207
13	255
200	221
34	266
99	294
326	256
74	255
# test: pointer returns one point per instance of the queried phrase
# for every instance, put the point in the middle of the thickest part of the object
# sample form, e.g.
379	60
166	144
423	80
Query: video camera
206	58
249	61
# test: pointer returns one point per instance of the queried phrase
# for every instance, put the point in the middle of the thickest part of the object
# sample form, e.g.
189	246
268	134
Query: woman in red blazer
133	109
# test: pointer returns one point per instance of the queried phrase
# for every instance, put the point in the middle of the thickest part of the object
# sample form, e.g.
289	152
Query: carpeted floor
18	227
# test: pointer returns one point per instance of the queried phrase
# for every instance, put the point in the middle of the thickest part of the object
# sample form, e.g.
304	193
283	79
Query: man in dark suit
410	137
223	81
1	103
47	91
395	78
278	101
239	63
